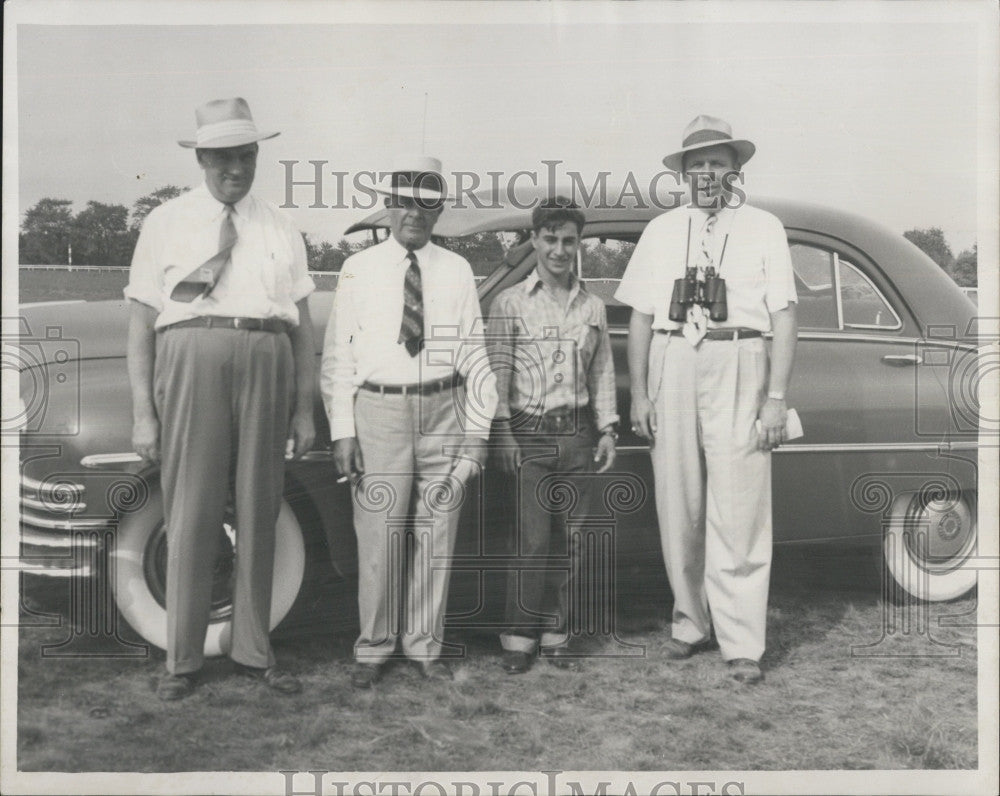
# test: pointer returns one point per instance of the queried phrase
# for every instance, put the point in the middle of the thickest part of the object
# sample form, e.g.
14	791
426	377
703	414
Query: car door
855	388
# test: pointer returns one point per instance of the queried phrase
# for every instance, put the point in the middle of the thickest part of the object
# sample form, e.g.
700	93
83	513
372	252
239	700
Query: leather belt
274	325
718	334
560	420
428	387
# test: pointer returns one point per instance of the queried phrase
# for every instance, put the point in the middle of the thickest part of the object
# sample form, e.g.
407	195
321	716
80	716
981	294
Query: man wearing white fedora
410	395
706	282
220	359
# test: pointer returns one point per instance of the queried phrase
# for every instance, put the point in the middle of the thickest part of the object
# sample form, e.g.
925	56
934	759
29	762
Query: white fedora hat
705	131
224	123
418	177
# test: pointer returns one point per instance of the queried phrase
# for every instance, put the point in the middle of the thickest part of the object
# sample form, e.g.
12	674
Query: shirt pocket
588	335
276	271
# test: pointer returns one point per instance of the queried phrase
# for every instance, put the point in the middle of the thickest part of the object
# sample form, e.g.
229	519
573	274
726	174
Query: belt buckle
237	323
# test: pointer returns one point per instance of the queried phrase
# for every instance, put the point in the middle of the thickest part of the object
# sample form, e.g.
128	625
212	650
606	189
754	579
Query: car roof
931	294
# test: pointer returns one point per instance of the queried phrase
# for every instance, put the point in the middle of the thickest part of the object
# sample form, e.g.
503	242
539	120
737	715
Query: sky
867	112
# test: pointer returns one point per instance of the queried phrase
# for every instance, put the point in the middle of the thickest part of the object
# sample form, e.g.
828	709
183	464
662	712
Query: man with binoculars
705	283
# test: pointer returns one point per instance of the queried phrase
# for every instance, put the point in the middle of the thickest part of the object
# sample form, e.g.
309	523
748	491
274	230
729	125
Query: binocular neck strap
722	255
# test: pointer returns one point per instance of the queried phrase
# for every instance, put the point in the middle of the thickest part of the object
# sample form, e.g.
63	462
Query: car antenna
423	138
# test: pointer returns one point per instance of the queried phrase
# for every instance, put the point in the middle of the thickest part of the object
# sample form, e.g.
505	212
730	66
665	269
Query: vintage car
885	384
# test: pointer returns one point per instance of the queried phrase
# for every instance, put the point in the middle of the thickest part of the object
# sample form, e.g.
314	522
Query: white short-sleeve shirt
750	250
267	273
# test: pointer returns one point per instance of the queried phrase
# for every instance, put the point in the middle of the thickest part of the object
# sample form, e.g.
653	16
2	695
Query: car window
863	306
814	284
835	294
602	263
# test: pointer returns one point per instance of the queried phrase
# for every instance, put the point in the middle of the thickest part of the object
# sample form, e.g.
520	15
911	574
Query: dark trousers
552	488
223	397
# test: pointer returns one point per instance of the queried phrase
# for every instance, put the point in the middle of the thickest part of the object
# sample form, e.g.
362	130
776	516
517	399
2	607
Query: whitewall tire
139	577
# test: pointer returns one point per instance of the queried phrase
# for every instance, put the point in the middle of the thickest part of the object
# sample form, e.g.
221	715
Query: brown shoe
273	677
560	657
175	686
434	670
746	671
365	675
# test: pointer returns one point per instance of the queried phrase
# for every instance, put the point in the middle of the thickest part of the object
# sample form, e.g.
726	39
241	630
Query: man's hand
347	458
605	452
470	460
301	435
772	416
508	451
146	438
643	417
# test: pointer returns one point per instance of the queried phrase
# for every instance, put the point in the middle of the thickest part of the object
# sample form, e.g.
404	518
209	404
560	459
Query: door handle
901	360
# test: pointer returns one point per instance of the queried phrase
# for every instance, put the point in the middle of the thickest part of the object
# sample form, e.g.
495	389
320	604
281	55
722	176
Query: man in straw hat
410	395
708	393
220	357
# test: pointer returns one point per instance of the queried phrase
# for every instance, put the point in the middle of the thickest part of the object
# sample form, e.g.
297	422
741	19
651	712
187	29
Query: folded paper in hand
793	426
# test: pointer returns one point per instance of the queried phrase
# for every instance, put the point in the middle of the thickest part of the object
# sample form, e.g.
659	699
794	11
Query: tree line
105	234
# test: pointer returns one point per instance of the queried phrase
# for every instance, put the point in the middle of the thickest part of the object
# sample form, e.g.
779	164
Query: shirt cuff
149	299
302	288
342	429
604	420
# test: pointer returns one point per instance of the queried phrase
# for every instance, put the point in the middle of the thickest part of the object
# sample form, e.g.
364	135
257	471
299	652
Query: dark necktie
411	330
201	280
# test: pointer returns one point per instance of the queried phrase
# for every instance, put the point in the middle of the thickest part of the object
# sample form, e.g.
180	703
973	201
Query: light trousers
407	443
223	398
713	488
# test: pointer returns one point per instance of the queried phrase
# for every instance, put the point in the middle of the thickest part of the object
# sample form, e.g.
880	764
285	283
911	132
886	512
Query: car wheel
928	545
140	577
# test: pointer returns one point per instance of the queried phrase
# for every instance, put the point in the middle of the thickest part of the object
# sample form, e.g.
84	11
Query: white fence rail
121	269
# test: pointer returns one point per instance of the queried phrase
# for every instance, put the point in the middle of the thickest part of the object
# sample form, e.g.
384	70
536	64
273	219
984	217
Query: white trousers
713	488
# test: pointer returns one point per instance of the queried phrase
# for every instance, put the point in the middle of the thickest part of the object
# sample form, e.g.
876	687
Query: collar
401	254
533	280
698	215
214	208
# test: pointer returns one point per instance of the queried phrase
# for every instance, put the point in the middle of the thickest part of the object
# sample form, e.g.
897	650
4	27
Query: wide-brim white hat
417	177
703	132
225	123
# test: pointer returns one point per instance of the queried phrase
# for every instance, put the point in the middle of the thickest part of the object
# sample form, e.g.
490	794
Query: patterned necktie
411	330
201	280
697	317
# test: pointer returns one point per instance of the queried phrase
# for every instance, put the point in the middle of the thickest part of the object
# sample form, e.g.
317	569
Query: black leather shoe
365	675
273	677
746	671
175	686
515	662
434	670
560	657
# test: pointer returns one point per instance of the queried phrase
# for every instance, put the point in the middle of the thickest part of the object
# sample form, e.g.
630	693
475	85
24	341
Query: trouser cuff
514	643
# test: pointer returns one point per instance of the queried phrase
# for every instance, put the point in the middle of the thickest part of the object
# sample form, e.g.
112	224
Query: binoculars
688	290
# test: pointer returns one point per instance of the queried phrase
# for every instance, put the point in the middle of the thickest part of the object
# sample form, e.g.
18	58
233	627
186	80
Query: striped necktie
201	280
697	317
411	330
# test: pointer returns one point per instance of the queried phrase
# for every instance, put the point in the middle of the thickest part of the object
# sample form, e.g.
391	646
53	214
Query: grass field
823	705
93	285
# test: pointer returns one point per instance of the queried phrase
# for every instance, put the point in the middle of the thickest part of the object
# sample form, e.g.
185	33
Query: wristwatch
777	396
611	431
